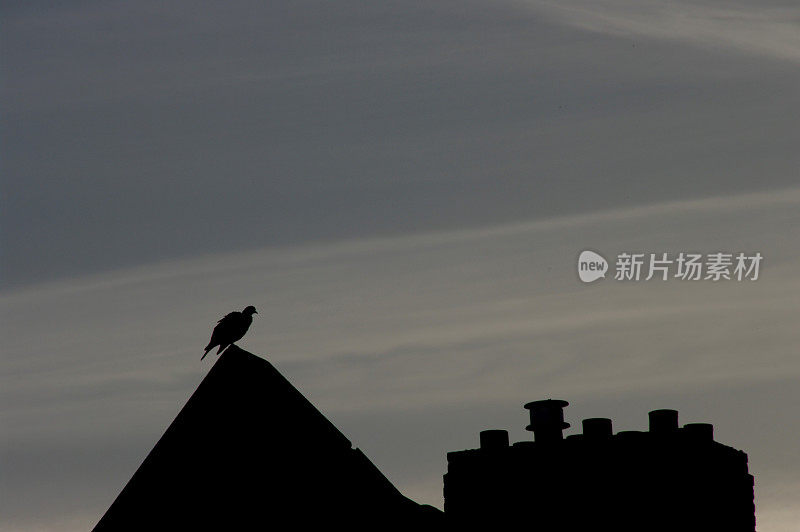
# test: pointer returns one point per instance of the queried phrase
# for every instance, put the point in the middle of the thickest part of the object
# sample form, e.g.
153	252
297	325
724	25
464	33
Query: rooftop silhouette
668	479
249	449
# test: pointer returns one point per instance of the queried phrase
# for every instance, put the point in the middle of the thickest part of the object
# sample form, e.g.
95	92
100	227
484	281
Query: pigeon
230	329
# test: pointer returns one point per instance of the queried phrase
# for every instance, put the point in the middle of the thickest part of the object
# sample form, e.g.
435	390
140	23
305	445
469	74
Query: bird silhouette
230	329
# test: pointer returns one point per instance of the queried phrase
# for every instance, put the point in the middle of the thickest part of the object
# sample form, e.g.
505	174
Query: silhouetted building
668	479
249	452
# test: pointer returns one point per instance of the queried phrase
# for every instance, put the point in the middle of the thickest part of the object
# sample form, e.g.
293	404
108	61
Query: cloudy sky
402	189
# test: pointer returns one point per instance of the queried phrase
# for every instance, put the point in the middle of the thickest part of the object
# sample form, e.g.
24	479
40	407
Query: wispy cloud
755	27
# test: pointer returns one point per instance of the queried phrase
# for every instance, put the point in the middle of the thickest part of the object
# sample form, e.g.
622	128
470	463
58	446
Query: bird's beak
255	312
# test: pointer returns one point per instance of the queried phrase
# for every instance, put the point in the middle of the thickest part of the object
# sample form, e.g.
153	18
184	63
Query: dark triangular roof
248	450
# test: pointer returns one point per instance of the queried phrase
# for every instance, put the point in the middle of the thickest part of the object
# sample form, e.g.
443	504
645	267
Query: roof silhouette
248	449
667	479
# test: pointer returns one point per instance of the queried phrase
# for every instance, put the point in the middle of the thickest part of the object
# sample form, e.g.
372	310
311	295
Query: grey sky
401	189
141	131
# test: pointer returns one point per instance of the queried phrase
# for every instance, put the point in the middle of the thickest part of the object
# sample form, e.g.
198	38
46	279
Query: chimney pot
663	421
494	439
597	428
547	419
699	431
